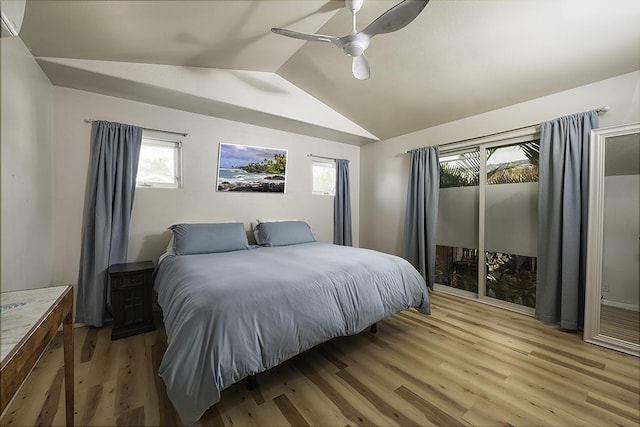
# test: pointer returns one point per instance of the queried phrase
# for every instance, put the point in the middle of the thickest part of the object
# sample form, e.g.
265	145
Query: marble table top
20	312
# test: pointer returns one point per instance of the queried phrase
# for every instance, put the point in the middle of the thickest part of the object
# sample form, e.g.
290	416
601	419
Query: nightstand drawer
129	280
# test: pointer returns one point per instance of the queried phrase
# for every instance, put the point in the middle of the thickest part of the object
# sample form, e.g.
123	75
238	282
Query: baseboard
623	305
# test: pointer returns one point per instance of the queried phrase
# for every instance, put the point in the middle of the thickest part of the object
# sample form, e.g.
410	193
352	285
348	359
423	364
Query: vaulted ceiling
457	59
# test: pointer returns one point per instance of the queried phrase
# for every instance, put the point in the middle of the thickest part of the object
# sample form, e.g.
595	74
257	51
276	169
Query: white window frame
177	146
331	164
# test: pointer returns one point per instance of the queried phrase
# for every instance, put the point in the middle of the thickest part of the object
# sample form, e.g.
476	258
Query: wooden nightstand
131	286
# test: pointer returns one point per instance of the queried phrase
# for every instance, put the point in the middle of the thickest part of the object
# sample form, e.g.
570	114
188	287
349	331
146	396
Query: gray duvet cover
233	314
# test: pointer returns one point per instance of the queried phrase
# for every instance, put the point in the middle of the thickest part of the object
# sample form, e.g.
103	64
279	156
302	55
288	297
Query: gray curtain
419	240
114	164
563	193
342	205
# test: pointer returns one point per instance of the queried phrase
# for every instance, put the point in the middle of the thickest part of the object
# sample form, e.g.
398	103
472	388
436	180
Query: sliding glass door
487	216
457	239
511	222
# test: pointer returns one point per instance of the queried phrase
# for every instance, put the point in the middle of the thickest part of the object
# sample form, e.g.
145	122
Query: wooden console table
29	320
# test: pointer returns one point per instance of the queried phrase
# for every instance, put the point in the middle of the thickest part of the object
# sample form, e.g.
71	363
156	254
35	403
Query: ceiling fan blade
396	18
303	36
360	67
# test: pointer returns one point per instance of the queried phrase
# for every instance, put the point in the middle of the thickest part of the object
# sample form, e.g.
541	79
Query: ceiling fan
355	43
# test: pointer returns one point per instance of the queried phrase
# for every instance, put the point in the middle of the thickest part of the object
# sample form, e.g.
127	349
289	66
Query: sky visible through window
157	164
506	155
324	178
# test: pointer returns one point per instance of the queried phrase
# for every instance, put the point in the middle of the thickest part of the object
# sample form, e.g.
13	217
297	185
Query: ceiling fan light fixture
354	44
353	49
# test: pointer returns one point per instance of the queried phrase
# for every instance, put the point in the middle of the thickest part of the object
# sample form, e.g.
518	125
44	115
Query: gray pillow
282	233
189	239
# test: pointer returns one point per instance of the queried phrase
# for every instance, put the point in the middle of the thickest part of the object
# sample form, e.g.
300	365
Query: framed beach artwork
252	169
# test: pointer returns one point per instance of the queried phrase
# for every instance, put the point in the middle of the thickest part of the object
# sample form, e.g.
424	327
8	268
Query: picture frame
251	169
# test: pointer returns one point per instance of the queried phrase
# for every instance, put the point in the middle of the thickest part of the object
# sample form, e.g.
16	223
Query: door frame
595	238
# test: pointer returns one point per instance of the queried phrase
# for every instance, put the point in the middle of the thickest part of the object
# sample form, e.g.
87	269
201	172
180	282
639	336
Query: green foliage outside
276	166
461	273
512	173
509	277
465	172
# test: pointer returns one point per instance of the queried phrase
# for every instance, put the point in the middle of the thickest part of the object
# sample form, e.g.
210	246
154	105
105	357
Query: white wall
27	224
385	166
156	209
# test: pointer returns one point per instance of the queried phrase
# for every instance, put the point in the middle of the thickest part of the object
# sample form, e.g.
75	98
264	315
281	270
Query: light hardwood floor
466	364
620	323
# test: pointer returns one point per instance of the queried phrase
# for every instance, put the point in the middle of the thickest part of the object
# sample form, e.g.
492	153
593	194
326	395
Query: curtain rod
150	129
321	157
600	110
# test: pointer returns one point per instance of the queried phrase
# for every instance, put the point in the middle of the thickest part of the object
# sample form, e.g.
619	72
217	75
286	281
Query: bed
234	313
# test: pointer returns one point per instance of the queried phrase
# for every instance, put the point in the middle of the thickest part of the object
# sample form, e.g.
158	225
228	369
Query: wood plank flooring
620	323
466	364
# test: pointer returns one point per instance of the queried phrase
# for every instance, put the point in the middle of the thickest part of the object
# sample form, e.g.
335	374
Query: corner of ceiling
259	98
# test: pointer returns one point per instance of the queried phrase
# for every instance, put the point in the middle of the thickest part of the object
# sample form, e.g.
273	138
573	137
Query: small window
160	164
324	178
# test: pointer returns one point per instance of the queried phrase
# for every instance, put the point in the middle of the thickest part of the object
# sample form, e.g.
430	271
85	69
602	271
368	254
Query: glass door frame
482	144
